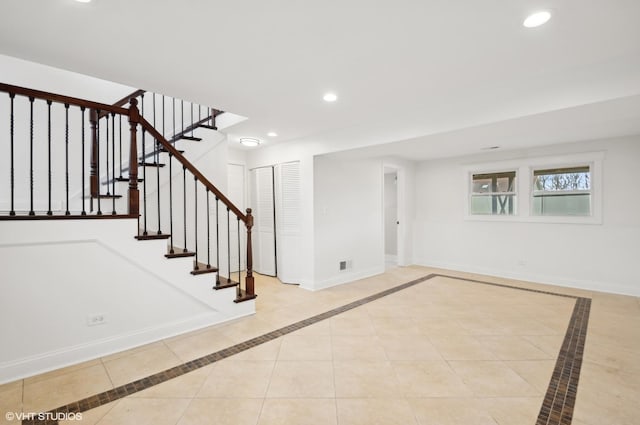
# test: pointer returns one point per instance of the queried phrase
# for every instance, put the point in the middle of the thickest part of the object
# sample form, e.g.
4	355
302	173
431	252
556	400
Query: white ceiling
441	77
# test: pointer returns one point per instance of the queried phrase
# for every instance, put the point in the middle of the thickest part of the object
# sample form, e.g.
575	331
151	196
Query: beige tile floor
442	352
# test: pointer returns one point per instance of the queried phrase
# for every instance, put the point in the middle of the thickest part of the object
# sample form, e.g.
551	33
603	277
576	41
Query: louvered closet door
287	179
262	202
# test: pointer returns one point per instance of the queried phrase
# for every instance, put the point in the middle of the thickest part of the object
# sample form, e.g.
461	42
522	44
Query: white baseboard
344	277
588	285
45	362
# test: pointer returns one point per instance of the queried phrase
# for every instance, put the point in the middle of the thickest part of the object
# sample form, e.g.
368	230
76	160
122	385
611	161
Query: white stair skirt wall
235	193
264	223
95	268
287	195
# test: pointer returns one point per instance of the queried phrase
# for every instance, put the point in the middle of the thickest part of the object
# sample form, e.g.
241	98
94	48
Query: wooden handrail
125	100
189	166
37	94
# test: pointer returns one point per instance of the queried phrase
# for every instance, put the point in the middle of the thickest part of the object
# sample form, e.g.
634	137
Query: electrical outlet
96	319
344	265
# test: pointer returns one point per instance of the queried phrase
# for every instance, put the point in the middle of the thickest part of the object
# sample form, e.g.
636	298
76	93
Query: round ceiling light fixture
272	134
330	97
536	19
249	141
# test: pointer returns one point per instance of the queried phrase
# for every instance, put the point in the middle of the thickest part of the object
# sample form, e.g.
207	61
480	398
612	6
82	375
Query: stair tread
210	127
244	297
202	268
165	151
126	179
151	164
151	236
195	139
224	283
107	196
179	253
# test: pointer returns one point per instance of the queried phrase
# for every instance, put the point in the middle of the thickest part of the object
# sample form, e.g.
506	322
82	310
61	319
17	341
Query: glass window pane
562	191
494	182
570	205
493	204
577	178
481	185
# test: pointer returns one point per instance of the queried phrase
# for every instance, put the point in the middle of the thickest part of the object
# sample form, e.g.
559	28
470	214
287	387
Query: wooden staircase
85	155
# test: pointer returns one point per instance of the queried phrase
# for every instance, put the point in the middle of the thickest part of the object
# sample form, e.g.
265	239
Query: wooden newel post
213	118
134	195
93	173
249	279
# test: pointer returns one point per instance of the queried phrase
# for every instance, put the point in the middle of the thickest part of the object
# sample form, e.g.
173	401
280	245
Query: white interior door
264	231
287	196
391	216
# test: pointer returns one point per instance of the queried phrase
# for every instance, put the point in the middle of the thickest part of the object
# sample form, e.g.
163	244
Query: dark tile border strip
559	401
557	408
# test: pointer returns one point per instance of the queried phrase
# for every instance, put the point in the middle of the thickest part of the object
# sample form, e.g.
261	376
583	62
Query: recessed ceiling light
537	19
272	134
249	141
83	1
330	97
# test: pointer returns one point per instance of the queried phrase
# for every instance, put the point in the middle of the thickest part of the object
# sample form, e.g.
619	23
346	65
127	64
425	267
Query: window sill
536	219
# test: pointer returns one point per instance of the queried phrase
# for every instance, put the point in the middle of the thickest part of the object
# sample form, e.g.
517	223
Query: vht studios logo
43	416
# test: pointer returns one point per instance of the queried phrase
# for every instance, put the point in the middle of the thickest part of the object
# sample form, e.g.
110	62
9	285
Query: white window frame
533	191
524	191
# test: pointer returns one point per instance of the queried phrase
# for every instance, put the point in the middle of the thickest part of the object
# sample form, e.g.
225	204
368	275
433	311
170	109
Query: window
493	193
562	191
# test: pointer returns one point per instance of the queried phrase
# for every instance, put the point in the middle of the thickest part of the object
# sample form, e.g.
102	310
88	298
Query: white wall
33	75
54	275
593	256
348	219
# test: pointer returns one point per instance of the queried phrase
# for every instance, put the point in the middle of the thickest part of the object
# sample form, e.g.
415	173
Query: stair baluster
121	178
12	96
217	242
49	212
66	157
195	214
171	249
228	248
239	265
31	100
106	148
113	163
156	160
208	232
144	173
184	206
84	210
192	119
97	153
